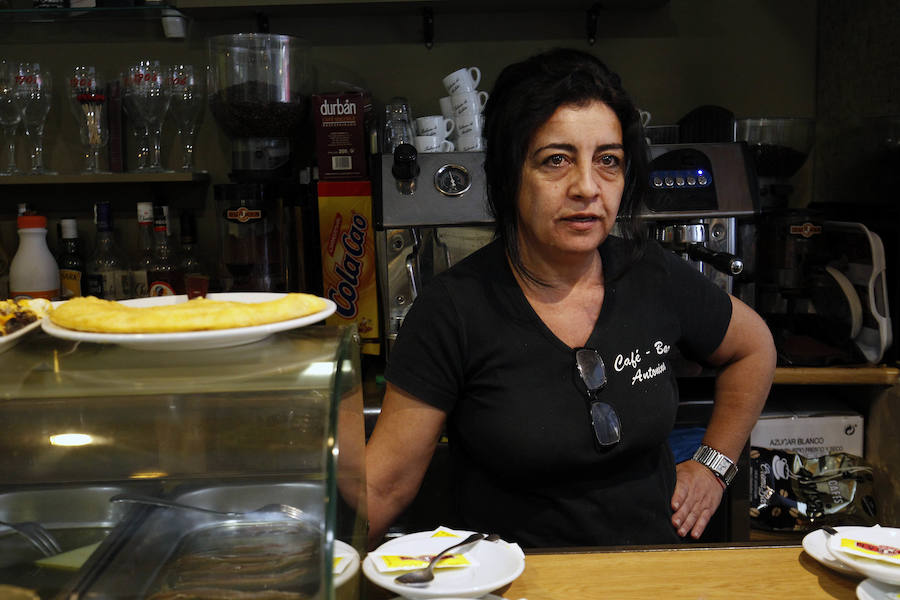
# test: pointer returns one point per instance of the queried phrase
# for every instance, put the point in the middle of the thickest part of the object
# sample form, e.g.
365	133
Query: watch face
452	180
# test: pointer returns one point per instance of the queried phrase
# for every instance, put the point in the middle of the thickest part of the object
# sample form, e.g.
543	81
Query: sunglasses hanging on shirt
604	419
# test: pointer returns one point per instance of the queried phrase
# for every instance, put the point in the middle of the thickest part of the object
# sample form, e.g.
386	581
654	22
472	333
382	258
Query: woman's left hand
698	493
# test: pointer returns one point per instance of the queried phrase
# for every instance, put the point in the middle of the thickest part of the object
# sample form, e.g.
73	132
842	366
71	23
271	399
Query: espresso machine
703	205
259	95
432	212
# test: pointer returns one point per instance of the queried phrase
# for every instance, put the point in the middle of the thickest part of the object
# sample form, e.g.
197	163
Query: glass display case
92	434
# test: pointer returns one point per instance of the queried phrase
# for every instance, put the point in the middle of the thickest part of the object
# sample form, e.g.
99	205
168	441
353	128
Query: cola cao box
347	237
341	122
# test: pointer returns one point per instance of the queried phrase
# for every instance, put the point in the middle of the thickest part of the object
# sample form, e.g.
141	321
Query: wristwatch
723	467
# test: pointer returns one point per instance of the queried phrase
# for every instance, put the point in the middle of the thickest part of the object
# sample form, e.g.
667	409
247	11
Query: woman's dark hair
524	97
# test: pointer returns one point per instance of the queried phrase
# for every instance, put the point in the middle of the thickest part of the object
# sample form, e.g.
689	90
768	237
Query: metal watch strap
723	467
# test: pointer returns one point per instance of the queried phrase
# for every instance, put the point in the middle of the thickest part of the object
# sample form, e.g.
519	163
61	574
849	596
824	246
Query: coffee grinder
259	95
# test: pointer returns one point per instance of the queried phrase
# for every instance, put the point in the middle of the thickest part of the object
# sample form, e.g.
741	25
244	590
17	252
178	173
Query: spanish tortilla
199	314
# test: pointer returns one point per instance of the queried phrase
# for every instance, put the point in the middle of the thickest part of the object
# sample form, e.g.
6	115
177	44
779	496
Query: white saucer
815	543
868	567
352	568
499	563
488	597
869	589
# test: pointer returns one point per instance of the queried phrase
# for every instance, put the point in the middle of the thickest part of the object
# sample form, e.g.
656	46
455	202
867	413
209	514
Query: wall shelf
864	375
105	178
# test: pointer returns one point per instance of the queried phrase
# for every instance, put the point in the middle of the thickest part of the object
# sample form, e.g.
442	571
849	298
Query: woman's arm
747	359
397	455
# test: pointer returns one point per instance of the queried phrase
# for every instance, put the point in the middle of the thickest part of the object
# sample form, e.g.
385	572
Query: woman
545	354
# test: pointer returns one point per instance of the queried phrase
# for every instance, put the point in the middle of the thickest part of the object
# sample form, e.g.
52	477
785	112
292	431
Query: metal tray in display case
76	516
160	552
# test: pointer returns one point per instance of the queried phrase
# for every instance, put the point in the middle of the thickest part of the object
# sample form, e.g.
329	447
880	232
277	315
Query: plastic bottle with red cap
33	272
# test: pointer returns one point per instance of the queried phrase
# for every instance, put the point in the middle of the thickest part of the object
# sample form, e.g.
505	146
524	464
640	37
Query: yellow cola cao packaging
347	239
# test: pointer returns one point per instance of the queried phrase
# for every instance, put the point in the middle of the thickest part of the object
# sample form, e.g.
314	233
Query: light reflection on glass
71	439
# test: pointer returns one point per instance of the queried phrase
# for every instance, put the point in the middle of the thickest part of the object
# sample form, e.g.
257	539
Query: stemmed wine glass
12	107
36	83
131	85
88	102
150	98
186	108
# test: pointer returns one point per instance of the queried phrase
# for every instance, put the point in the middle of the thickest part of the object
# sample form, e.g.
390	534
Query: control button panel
683	178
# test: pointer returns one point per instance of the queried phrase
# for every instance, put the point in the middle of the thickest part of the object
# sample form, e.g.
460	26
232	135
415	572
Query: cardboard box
347	235
341	120
811	429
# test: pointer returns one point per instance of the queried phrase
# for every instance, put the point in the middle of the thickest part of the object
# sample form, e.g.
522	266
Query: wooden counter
763	572
708	574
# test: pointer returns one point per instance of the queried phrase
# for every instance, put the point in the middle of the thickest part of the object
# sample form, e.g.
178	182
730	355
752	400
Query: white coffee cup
468	103
432	143
469	123
470	143
437	125
446	107
463	80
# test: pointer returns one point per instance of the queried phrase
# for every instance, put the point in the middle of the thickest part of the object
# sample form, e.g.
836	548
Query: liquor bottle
71	264
196	272
144	250
33	272
165	274
108	274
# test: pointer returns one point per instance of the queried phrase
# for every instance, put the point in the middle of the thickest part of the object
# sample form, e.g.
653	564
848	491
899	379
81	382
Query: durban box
809	428
341	124
348	257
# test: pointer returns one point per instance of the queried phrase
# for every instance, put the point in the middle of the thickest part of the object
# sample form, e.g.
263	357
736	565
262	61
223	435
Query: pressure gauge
452	180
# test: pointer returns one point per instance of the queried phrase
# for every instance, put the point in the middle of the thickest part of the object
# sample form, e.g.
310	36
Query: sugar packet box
348	257
341	120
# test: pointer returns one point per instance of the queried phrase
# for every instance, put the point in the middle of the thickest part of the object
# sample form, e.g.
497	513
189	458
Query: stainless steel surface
694	233
732	180
428	206
36	535
141	557
426	574
77	516
289	511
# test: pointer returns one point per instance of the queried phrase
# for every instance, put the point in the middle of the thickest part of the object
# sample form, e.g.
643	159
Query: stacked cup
464	105
432	132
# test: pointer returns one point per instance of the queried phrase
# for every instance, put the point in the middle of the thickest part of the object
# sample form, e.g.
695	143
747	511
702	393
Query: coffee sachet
791	492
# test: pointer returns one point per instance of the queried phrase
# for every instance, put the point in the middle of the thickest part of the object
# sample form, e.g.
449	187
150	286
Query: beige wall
754	57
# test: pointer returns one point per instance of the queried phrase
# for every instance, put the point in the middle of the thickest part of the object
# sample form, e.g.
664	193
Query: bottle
144	250
165	275
4	273
107	272
71	264
196	273
33	271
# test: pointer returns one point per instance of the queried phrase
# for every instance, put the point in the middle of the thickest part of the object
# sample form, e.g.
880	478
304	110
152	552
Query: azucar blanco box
810	429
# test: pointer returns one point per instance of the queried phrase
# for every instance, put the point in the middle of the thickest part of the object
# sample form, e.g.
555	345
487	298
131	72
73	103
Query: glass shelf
113	13
102	178
117	23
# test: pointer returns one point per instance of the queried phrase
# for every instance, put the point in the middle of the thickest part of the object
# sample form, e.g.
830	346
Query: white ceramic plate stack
883	578
498	564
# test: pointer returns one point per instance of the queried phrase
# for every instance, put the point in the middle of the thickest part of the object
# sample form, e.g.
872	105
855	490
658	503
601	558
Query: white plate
192	340
8	341
815	543
345	549
499	563
869	589
488	597
872	568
